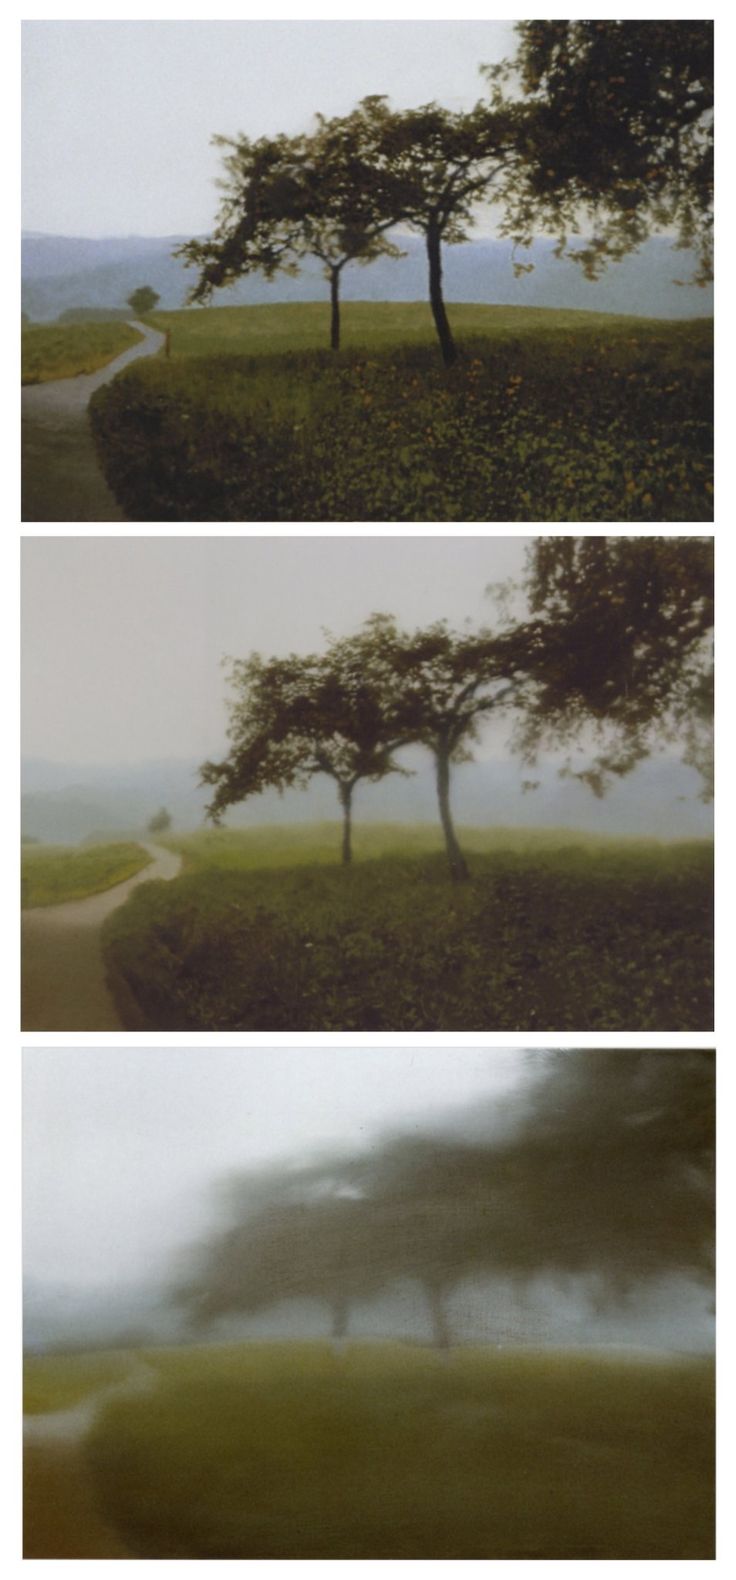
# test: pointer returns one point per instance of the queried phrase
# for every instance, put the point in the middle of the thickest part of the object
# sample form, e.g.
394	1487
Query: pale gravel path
63	981
62	479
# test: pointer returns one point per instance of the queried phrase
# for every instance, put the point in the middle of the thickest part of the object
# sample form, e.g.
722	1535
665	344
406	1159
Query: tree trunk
442	323
340	1313
458	867
346	802
440	1325
335	309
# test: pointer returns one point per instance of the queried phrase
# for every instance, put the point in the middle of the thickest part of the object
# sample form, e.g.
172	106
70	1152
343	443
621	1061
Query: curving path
73	1424
61	477
63	982
62	1517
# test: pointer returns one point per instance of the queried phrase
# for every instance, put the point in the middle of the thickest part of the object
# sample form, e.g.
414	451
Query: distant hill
66	272
70	803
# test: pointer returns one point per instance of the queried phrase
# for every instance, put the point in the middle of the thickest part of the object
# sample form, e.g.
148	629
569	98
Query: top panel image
367	271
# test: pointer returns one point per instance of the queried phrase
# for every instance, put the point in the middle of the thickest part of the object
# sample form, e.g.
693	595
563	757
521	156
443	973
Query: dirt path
61	1518
61	477
63	983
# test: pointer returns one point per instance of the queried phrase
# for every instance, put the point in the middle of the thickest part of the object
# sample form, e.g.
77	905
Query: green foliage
618	136
624	650
143	300
60	351
293	718
609	936
51	874
549	417
160	822
284	1451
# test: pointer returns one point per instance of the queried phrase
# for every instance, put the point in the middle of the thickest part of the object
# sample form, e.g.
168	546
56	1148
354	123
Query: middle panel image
376	784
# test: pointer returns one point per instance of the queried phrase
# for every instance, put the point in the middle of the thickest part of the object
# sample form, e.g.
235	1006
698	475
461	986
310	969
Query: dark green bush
552	427
611	939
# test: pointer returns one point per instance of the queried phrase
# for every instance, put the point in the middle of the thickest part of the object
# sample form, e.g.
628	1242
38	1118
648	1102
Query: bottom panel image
354	1304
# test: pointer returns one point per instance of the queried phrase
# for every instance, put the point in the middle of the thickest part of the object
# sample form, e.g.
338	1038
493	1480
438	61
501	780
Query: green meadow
51	874
60	351
547	415
383	1451
265	931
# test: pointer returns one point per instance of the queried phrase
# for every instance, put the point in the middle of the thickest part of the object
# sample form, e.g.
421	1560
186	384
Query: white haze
118	116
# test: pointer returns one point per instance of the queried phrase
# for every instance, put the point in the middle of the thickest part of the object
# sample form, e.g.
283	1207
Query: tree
600	1169
294	718
619	136
143	300
160	823
288	198
437	687
431	169
621	652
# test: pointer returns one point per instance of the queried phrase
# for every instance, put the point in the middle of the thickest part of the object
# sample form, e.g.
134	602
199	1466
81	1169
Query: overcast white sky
118	116
123	637
123	1147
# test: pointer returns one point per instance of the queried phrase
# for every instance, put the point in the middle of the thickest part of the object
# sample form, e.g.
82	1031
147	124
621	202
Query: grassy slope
547	416
265	932
51	874
60	351
287	1451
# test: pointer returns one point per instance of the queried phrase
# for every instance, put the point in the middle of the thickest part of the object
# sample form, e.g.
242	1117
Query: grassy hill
61	351
265	932
547	416
51	874
388	1451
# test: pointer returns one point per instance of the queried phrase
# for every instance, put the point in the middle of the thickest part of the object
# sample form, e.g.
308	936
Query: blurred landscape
396	1298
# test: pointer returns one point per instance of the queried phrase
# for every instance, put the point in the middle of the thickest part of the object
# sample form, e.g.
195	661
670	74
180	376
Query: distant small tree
294	718
160	822
143	300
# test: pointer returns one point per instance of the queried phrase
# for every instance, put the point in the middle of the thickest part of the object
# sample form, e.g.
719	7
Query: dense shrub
615	938
569	426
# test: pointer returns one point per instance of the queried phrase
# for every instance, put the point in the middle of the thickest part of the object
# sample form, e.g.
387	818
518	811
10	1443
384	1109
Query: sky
123	637
118	116
123	1147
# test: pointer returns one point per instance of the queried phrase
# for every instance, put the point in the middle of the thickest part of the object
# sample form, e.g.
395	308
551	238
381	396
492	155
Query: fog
482	1195
118	116
124	695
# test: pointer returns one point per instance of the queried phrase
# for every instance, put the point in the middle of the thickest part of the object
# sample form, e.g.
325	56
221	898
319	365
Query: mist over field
134	1159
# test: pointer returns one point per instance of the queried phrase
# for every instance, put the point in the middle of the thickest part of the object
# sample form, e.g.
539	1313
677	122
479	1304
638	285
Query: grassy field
548	415
53	873
289	1451
265	932
60	351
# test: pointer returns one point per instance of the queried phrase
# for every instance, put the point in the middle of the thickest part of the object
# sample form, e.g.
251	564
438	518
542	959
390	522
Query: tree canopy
143	300
601	1170
621	651
288	198
294	718
618	140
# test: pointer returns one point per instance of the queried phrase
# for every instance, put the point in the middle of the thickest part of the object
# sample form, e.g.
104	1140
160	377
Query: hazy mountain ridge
68	804
62	272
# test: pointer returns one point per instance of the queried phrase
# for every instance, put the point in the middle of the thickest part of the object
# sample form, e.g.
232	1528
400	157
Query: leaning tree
437	688
294	718
290	198
433	167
